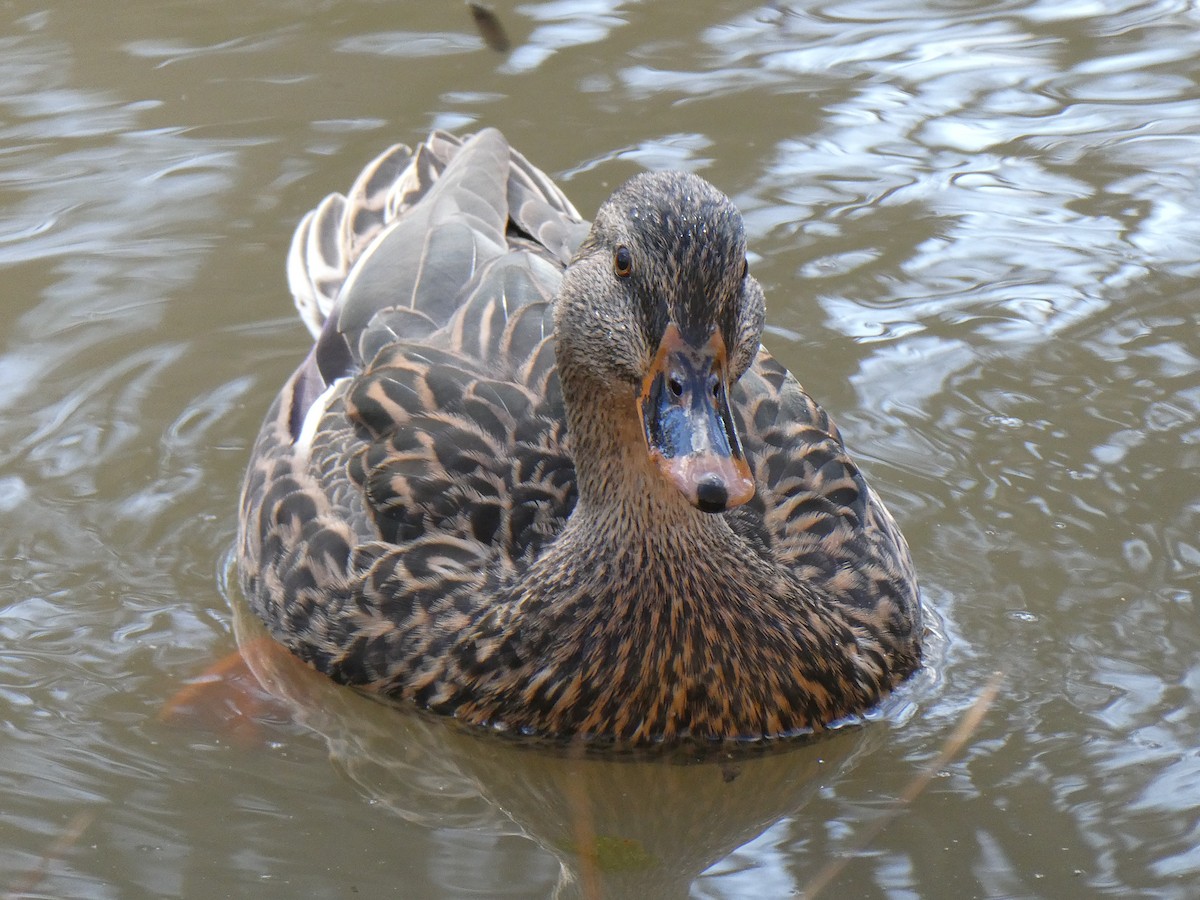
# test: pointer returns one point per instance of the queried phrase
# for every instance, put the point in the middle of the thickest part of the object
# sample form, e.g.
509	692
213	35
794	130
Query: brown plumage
502	485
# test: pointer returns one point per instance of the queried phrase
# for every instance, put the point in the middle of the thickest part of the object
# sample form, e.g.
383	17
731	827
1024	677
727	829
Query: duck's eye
623	262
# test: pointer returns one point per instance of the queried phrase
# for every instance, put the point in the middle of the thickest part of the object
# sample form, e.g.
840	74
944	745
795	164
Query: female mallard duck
543	477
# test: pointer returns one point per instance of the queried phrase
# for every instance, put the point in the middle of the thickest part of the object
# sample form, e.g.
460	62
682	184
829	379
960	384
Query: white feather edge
312	419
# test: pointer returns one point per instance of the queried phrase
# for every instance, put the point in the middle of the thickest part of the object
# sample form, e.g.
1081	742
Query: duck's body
491	488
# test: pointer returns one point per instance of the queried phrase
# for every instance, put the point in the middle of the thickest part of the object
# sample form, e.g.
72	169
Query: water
978	231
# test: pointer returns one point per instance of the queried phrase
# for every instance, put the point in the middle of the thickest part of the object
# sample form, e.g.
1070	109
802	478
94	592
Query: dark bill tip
711	495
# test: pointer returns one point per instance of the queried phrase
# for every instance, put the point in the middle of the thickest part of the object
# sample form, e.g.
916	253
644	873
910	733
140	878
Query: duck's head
658	304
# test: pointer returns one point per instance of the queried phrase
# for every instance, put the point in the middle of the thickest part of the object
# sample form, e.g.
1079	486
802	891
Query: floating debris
489	26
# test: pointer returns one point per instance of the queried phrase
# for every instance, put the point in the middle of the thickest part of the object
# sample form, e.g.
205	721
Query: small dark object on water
489	26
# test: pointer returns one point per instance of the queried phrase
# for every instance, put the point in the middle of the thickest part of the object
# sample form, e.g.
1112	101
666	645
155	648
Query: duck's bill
689	426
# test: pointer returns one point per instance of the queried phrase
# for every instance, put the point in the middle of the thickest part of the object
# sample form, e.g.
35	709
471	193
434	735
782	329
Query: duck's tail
328	253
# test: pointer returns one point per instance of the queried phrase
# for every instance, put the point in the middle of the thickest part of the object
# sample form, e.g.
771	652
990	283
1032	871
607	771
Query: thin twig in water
63	843
957	740
584	828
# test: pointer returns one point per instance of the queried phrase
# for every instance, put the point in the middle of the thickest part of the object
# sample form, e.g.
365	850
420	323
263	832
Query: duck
541	476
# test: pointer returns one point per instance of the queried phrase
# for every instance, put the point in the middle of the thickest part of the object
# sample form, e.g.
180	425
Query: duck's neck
625	502
611	463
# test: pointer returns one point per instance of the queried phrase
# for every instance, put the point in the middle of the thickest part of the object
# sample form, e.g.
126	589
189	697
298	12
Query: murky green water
979	231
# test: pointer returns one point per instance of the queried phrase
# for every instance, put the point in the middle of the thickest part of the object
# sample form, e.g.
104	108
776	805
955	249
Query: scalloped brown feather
411	522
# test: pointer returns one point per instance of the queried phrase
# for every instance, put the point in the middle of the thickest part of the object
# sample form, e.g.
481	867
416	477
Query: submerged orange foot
230	700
